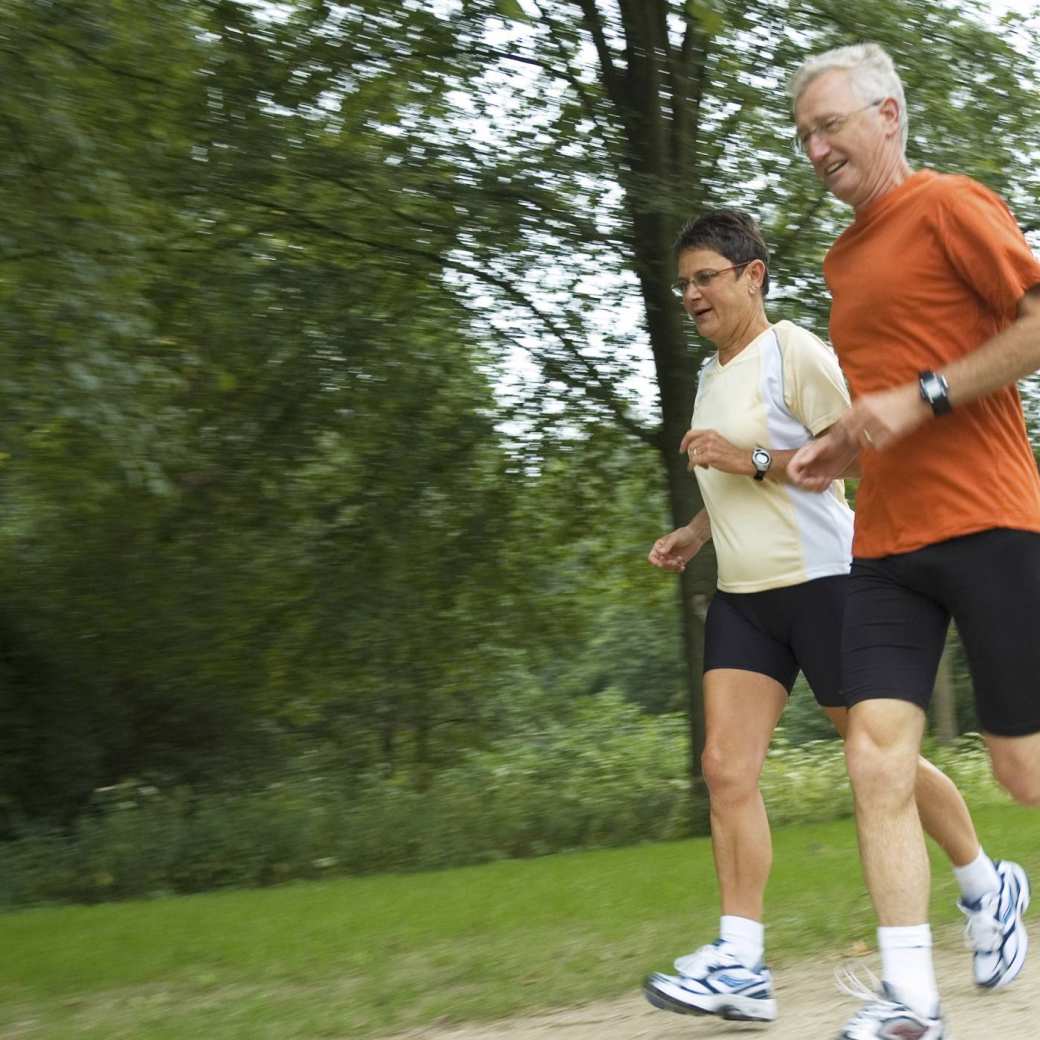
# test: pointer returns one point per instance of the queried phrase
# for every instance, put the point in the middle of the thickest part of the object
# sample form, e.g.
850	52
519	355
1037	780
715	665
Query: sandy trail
810	1005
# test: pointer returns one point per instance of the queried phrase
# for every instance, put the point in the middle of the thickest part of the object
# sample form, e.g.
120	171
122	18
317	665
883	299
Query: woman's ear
757	272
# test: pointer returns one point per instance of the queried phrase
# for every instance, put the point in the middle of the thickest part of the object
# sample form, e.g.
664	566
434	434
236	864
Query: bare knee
880	773
1022	784
729	777
1016	765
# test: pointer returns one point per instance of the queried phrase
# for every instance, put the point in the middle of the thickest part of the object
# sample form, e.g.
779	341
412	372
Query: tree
585	131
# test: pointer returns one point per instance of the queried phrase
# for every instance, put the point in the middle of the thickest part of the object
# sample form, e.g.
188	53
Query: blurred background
342	390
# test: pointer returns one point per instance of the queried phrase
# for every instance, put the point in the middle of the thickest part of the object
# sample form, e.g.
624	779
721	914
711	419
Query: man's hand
879	420
673	551
710	449
820	462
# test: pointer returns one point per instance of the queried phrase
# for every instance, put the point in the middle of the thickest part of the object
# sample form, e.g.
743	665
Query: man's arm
833	455
879	420
1004	359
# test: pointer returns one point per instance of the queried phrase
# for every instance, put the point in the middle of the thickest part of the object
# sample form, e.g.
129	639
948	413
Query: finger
688	437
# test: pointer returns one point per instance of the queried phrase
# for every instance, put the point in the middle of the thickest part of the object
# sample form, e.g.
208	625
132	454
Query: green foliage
604	776
271	478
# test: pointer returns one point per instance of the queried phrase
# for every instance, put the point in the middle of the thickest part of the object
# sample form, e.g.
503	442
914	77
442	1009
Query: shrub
607	776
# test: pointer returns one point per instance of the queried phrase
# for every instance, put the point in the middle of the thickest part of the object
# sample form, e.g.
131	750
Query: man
936	314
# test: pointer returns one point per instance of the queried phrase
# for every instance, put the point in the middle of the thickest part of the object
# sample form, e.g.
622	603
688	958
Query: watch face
760	457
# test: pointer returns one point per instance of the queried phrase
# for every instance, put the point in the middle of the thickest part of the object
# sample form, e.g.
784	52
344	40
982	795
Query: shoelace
876	1008
693	965
852	985
982	930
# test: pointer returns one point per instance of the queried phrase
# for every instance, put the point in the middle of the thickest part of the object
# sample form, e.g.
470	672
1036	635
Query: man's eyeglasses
828	128
702	279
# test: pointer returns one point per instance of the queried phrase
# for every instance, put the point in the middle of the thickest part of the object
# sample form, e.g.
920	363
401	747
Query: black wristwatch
935	392
761	460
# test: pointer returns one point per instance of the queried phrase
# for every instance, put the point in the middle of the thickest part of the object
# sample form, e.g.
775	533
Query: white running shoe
994	929
885	1017
713	982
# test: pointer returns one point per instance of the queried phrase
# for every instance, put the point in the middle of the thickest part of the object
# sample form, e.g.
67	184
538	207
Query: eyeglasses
702	279
828	128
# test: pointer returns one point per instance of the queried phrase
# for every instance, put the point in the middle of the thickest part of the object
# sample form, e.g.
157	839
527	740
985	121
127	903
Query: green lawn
363	957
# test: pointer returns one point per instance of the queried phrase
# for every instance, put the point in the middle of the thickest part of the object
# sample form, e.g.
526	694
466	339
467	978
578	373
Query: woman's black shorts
781	631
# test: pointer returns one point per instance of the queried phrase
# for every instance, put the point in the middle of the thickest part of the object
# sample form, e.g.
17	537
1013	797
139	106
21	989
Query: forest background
342	395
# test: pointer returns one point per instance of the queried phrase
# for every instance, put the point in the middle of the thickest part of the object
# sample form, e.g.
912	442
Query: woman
783	556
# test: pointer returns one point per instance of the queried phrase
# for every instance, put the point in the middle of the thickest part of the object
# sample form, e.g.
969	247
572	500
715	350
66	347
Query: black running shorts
779	631
899	608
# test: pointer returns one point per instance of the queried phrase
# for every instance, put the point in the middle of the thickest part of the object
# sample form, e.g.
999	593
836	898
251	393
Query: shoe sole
1015	967
730	1006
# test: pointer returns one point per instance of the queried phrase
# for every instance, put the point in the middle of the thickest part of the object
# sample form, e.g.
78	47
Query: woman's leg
741	711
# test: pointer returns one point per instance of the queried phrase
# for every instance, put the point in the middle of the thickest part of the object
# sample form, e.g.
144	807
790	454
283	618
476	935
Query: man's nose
817	146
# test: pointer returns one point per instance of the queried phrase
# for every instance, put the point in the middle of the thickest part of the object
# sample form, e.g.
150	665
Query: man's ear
889	109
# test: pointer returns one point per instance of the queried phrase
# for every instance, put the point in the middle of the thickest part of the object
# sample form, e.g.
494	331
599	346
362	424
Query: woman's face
727	304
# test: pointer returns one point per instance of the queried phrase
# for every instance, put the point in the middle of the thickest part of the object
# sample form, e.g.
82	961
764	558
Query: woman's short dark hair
731	233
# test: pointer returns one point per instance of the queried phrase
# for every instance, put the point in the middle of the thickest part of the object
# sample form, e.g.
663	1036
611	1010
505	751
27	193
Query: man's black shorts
779	631
899	608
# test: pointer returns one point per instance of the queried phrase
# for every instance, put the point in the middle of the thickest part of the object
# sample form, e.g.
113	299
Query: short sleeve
985	246
814	387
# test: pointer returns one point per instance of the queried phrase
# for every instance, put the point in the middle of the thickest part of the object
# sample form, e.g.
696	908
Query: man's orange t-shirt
923	276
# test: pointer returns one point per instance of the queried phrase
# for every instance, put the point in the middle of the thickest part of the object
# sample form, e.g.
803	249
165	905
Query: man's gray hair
870	70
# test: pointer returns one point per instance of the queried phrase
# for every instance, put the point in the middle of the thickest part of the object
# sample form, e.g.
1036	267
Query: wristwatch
935	392
761	460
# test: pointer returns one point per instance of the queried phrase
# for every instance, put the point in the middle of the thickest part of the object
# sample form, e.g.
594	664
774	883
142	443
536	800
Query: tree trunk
696	585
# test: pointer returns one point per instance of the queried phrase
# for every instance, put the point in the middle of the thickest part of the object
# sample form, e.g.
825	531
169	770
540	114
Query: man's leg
944	813
1016	765
882	751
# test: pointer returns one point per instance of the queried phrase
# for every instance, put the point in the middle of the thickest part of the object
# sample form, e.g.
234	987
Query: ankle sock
977	878
906	965
743	938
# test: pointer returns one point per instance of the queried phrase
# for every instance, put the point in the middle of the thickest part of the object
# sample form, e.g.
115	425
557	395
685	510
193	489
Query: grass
363	957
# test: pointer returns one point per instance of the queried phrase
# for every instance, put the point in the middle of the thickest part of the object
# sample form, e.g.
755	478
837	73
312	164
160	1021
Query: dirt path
810	1004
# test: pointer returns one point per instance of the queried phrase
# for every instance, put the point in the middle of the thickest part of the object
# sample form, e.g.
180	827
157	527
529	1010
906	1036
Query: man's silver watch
761	460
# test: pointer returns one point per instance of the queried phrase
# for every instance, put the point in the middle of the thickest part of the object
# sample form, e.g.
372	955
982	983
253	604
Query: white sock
977	878
906	965
743	938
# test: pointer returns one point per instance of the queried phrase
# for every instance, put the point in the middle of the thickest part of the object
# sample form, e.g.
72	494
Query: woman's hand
673	551
710	449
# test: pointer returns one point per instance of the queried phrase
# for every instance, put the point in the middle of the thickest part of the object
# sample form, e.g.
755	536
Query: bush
607	776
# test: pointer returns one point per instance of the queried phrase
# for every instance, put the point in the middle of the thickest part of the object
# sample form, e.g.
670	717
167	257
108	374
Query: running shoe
713	982
885	1017
994	929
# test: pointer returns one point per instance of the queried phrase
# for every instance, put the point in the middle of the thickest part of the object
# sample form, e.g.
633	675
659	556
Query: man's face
844	137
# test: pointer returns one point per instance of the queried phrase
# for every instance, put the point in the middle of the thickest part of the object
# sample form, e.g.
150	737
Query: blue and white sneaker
994	929
713	982
885	1017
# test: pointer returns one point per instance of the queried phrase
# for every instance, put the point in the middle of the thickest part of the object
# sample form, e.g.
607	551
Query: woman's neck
741	337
